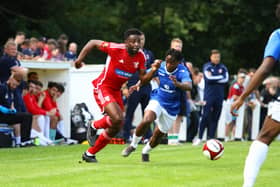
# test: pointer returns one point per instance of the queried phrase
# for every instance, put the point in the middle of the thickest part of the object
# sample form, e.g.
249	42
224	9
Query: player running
122	62
164	104
271	128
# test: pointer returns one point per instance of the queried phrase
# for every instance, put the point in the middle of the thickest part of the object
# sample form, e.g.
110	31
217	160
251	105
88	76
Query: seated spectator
71	54
41	120
8	113
48	104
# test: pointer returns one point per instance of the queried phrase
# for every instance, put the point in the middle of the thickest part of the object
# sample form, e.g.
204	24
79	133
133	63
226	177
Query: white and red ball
213	149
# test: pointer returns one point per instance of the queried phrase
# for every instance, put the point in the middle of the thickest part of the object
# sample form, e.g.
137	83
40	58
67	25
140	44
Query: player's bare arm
86	49
147	77
262	72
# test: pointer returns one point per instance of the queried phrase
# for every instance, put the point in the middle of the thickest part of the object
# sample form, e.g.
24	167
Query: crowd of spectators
24	105
43	49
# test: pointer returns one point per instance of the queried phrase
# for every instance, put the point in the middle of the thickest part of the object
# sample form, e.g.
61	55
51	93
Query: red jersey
49	104
120	66
235	89
32	105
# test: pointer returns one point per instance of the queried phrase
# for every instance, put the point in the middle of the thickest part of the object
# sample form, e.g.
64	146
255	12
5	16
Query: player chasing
164	104
271	128
122	62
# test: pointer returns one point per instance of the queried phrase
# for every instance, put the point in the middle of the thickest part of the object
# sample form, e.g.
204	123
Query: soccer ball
213	149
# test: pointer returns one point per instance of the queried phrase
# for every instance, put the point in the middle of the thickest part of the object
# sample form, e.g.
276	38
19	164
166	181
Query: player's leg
144	101
165	122
151	112
258	150
115	112
141	129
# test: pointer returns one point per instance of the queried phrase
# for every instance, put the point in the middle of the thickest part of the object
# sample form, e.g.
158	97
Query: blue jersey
272	48
167	94
6	63
215	76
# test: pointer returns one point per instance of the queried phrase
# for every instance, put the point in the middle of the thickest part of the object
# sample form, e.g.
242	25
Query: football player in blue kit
271	128
164	104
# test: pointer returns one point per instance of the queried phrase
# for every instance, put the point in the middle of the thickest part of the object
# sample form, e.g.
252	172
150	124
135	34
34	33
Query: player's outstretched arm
261	73
86	49
144	77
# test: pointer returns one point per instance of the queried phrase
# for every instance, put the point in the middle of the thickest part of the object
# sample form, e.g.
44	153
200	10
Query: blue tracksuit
215	77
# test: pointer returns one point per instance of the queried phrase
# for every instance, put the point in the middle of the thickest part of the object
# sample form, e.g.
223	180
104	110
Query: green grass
170	166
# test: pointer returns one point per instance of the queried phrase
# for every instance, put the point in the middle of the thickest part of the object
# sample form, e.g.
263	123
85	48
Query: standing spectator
8	112
40	47
48	48
142	96
71	54
234	92
215	76
19	39
271	128
122	62
196	104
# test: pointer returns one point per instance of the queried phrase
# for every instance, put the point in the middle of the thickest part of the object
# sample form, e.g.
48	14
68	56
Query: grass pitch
170	166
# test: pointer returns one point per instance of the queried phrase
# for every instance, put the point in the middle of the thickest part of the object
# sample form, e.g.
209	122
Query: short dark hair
60	87
132	31
215	51
31	73
277	11
19	33
52	84
176	55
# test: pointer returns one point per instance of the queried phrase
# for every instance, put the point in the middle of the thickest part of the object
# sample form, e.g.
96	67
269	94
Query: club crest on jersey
220	70
105	44
121	61
136	64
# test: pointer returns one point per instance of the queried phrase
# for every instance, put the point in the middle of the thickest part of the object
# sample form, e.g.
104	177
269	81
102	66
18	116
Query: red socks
103	123
100	143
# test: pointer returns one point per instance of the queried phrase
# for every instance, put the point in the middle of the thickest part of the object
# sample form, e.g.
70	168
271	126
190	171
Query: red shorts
105	95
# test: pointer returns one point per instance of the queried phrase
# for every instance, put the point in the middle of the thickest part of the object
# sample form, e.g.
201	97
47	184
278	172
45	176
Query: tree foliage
238	28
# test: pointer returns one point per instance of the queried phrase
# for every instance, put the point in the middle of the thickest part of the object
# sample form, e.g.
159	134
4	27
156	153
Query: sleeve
105	47
142	61
235	89
272	48
185	75
208	77
47	103
225	75
32	107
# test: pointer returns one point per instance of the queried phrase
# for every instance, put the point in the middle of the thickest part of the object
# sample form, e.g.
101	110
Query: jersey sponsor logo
166	90
161	74
123	73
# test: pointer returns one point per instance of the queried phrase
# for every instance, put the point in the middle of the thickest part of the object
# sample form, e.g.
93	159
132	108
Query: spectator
41	121
8	113
32	76
19	39
40	47
71	54
216	76
48	48
48	104
235	91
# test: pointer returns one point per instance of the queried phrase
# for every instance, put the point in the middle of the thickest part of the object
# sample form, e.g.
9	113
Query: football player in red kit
122	62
